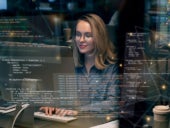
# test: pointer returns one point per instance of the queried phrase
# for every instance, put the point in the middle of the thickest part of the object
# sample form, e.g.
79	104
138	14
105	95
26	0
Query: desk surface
84	122
81	122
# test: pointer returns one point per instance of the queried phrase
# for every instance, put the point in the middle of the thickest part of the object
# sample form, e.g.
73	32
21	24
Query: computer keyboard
63	119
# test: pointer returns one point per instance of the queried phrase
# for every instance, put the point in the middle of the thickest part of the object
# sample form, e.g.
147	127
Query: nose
82	38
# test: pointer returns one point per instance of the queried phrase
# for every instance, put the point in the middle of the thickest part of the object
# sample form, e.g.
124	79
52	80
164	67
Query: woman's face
84	38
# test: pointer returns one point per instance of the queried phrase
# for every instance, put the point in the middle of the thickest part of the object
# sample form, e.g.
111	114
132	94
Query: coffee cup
161	116
67	33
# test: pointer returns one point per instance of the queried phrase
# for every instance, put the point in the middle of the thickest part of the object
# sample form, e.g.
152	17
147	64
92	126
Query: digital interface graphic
37	64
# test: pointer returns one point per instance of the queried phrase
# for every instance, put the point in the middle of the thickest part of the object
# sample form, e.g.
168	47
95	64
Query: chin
85	51
82	52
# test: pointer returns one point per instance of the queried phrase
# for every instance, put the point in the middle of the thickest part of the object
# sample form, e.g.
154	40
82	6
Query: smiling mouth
82	46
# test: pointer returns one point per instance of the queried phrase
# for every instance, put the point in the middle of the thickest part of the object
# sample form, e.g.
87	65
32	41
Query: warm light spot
108	118
168	44
120	65
130	34
58	58
11	34
148	119
157	36
163	87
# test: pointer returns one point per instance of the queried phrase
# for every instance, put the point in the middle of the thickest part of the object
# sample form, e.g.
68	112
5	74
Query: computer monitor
3	4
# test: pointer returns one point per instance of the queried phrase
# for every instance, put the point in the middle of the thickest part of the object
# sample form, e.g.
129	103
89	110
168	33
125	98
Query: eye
78	34
88	35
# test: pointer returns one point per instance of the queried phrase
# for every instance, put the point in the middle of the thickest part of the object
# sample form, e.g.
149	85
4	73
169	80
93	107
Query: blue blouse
98	91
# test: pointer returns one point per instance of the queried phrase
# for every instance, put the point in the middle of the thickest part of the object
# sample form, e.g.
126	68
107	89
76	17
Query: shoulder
112	68
79	69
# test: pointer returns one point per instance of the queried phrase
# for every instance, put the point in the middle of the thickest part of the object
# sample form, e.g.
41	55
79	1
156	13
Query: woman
96	69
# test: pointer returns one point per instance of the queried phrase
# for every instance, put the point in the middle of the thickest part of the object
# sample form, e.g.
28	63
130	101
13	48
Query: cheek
92	44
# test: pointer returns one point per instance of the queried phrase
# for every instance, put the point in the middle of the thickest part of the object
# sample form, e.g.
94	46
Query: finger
68	112
57	111
44	109
50	110
62	112
72	113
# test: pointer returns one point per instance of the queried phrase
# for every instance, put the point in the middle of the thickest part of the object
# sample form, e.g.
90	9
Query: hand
58	111
64	112
48	110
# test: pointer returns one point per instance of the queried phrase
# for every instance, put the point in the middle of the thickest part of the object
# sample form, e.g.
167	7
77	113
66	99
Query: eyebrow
84	32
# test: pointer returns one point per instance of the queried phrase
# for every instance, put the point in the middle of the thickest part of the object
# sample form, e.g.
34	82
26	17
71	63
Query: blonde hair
104	49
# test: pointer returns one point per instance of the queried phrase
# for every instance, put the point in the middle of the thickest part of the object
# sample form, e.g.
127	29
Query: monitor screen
3	4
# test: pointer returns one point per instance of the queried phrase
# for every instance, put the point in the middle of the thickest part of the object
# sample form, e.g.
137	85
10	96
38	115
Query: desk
82	122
